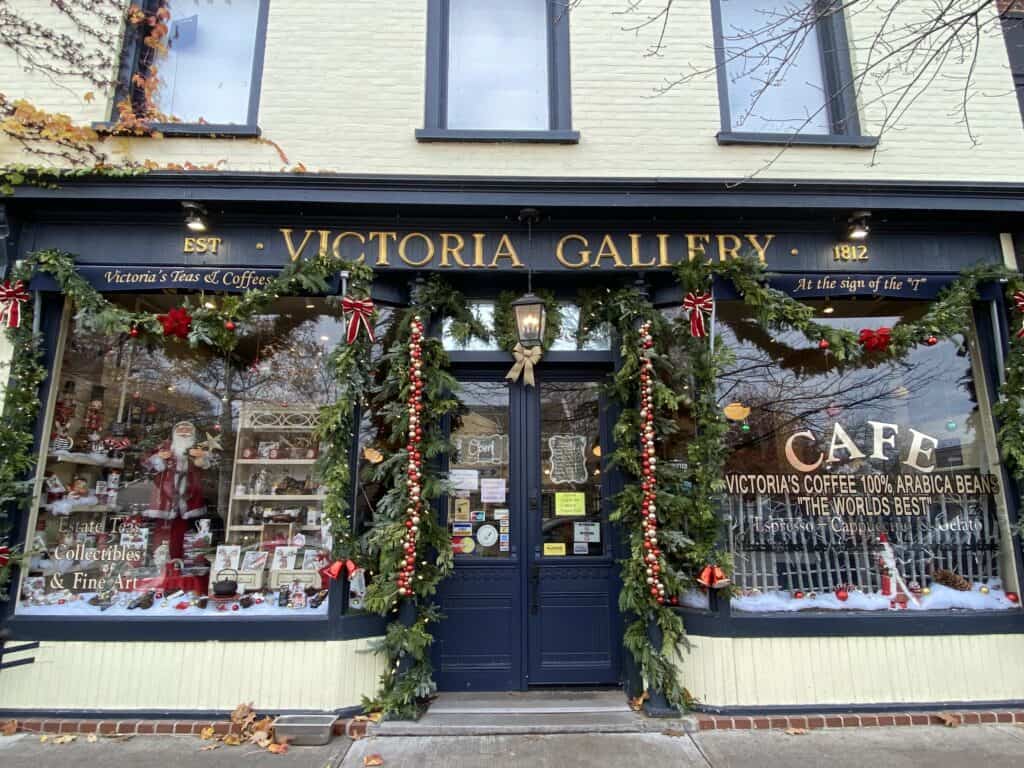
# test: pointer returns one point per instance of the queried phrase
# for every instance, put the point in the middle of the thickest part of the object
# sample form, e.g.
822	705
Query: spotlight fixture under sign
859	225
194	216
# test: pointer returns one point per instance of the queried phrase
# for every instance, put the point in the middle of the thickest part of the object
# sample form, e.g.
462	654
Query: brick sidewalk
343	727
809	722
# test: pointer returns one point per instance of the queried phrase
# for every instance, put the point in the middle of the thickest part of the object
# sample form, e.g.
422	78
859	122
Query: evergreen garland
408	676
336	429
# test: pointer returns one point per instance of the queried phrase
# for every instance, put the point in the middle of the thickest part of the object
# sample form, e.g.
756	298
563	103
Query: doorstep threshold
518	724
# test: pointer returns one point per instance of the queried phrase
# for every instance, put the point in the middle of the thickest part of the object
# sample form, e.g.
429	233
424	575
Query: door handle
535	589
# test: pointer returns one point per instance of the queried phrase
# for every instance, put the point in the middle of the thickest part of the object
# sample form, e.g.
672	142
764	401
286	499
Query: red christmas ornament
875	340
823	344
798	595
931	341
1013	597
842	595
133	332
229	325
177	323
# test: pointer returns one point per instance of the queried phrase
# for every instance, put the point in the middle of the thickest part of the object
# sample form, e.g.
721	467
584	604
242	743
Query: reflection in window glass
868	488
498	64
479	515
206	74
179	483
599	339
773	65
570	452
483	311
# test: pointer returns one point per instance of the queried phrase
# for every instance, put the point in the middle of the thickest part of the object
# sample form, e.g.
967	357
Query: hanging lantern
530	319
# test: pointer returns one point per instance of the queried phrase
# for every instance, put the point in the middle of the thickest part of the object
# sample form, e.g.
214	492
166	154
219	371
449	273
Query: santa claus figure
178	483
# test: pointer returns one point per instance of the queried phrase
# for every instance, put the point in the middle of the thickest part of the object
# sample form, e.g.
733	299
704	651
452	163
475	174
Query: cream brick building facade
341	97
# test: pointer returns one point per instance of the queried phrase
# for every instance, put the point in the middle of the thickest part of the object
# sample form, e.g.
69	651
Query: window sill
727	138
190	130
498	137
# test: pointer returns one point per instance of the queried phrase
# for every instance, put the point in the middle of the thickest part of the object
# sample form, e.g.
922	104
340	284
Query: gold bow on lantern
525	360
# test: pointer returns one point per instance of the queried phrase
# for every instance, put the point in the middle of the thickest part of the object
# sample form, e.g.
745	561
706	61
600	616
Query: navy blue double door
533	599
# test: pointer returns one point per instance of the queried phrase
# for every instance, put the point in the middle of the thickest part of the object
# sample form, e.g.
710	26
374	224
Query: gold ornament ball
926	591
983	590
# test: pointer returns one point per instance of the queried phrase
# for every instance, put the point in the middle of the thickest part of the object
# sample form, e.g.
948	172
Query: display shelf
85	460
276	497
276	462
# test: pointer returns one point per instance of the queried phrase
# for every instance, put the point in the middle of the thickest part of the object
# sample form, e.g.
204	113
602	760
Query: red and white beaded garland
414	481
649	463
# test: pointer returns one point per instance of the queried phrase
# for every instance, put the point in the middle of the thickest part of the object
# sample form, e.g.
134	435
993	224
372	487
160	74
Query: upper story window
1013	31
197	62
498	69
784	73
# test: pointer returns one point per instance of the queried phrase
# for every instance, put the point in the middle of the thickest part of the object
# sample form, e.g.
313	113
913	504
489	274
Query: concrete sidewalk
991	746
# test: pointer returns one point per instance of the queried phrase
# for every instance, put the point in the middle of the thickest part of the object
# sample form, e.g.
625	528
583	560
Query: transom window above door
497	70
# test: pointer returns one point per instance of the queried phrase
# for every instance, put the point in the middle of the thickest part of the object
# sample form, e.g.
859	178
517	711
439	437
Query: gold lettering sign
494	250
201	244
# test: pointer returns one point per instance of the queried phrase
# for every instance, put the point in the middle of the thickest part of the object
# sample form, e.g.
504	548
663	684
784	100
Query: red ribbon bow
12	296
875	341
361	311
333	571
5	556
713	577
697	305
177	322
1018	300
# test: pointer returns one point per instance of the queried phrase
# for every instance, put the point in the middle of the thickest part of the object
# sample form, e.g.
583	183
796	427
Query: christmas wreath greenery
415	396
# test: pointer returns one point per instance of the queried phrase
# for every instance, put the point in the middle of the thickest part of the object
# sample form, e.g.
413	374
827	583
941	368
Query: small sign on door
589	533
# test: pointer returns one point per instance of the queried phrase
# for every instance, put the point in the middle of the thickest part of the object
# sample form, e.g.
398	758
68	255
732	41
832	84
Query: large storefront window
861	488
177	482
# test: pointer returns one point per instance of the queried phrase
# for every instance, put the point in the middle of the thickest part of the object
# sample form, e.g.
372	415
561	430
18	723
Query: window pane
479	512
483	311
180	483
570	454
207	72
498	64
773	66
599	340
869	488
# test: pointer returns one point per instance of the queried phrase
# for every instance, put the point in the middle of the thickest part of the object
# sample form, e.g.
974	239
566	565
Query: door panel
479	642
573	622
515	616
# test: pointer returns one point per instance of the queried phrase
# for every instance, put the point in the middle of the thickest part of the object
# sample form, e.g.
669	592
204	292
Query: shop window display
176	482
861	488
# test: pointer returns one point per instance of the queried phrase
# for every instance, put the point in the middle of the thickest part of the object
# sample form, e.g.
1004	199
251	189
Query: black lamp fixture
859	225
195	216
529	308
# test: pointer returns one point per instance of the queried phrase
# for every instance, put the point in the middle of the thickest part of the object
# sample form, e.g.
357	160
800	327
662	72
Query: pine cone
951	579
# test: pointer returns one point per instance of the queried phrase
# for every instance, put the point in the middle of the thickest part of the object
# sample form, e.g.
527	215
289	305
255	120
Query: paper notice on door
570	504
464	479
492	490
556	549
461	513
580	549
587	532
501	514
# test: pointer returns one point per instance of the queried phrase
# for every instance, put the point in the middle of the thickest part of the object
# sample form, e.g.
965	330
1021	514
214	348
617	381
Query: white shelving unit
262	425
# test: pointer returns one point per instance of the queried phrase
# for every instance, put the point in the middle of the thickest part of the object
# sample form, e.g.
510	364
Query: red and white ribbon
1018	300
12	296
360	312
697	305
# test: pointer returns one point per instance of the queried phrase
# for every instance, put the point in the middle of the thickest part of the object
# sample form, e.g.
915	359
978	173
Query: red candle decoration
649	465
414	480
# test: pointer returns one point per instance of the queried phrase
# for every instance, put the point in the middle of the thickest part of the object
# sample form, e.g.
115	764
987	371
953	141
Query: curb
354	729
883	719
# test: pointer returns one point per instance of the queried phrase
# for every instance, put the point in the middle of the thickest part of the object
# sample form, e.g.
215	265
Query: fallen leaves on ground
208	747
231	740
796	731
9	728
92	738
374	759
372	717
43	739
673	732
948	720
261	739
209	732
278	749
67	738
636	704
